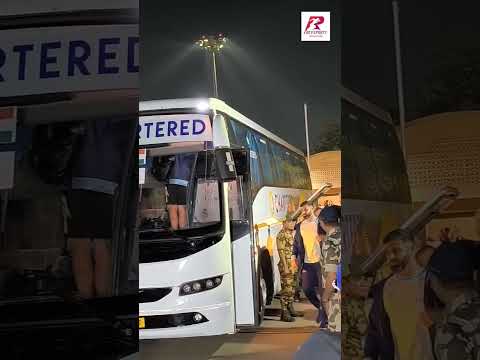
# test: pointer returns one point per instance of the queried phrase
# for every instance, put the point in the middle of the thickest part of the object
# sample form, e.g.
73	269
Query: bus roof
31	7
366	105
214	104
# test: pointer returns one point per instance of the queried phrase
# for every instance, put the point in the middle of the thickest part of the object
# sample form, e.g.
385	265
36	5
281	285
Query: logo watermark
315	26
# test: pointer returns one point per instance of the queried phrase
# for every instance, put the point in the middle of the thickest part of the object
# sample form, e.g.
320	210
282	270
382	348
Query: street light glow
212	43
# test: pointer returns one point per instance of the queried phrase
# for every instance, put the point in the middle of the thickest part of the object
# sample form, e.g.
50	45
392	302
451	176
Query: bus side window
265	158
255	169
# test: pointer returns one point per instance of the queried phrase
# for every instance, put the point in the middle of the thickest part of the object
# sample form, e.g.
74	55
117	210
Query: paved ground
272	316
276	340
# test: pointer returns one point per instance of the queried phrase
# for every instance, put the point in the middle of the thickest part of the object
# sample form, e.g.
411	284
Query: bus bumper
214	306
216	325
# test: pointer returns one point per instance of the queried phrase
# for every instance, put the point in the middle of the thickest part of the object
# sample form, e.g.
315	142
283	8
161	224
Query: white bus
217	274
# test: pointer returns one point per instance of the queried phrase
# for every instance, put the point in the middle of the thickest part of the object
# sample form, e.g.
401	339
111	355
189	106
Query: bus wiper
196	238
161	235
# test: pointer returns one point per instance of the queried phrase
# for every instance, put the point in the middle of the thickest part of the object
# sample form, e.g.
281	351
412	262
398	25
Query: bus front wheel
262	296
267	271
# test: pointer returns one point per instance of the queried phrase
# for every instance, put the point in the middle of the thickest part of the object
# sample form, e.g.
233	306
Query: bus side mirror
242	162
225	165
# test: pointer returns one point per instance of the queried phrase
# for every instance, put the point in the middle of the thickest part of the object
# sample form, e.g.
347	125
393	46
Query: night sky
430	31
266	73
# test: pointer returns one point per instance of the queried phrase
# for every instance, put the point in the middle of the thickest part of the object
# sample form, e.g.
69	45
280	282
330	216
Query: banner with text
68	59
165	129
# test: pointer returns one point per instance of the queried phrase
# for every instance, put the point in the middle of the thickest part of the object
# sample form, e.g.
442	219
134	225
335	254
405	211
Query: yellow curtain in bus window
207	202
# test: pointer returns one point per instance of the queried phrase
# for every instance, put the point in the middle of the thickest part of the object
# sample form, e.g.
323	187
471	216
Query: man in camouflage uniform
455	305
354	319
331	257
287	271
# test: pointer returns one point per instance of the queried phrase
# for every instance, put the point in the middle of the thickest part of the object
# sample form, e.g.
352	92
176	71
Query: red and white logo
316	26
314	23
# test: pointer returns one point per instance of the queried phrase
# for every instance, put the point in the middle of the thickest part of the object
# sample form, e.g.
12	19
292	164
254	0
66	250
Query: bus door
243	246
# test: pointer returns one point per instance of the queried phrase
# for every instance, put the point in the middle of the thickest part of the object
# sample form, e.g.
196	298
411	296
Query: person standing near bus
306	255
97	166
287	271
331	255
179	179
453	303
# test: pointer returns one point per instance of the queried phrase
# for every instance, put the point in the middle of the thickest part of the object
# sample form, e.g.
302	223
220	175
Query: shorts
91	214
176	195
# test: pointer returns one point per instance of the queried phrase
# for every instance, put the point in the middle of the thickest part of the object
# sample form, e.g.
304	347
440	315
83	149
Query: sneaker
322	319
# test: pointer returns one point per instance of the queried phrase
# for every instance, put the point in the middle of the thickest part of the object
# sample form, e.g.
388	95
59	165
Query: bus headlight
197	286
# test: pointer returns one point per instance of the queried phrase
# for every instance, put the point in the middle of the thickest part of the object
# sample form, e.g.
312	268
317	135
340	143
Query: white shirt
308	230
403	299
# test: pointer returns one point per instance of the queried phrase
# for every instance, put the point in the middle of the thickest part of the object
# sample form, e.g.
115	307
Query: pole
306	134
398	58
215	85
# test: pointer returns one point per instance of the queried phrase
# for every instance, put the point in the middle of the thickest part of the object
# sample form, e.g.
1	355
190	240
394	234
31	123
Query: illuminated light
197	317
202	106
197	286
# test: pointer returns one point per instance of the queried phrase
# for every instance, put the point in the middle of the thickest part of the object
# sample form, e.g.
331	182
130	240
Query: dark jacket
379	343
182	169
101	155
299	247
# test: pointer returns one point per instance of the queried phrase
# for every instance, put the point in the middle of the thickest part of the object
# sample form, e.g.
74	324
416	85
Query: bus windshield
178	192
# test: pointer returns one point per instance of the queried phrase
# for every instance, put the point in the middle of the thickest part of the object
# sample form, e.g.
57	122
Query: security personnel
287	271
456	333
354	318
330	260
178	182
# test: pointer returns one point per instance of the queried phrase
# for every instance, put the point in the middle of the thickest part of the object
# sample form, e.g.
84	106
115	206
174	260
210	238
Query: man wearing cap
287	271
331	255
453	303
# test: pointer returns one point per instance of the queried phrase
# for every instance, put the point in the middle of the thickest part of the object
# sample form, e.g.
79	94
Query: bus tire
267	270
262	295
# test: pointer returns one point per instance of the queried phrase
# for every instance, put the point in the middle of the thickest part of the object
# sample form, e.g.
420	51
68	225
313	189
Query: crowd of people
309	249
427	307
